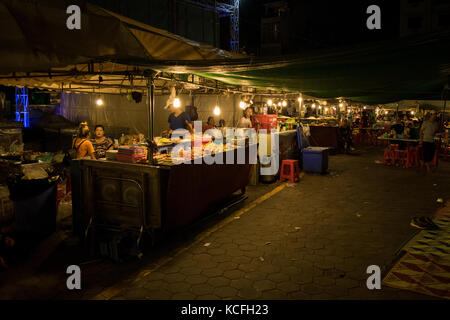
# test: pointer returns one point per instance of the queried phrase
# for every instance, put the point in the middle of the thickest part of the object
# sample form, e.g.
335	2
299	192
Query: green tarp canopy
384	72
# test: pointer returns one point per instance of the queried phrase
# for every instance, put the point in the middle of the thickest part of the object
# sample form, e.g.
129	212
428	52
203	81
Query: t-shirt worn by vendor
245	123
83	147
101	147
179	122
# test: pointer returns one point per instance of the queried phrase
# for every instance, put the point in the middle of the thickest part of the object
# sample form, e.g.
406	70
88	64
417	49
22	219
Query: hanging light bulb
300	99
320	107
386	112
99	102
279	104
176	103
326	109
413	112
269	102
365	107
341	104
242	105
284	103
313	106
216	111
251	101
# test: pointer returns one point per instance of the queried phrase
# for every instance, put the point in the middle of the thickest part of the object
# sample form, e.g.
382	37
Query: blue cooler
315	159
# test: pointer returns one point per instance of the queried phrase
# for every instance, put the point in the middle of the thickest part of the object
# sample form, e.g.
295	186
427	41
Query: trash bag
35	205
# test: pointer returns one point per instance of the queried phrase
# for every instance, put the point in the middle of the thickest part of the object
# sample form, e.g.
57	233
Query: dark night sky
331	22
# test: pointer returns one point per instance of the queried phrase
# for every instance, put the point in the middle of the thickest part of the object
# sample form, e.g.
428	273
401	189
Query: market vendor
427	133
246	120
101	143
82	144
211	124
179	120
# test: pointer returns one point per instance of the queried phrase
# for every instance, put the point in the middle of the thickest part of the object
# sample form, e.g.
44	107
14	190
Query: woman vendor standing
179	119
82	144
246	120
101	143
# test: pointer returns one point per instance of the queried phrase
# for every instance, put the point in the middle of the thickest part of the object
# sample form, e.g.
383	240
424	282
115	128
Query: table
398	139
154	197
367	133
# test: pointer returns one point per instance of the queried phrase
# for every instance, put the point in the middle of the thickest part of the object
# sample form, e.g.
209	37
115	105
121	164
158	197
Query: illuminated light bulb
300	99
320	107
334	108
413	112
176	103
365	107
284	103
251	101
242	105
341	105
326	109
279	104
216	111
99	102
313	106
386	112
269	102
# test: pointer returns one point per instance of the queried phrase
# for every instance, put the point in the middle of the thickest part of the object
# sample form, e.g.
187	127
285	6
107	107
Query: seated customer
210	124
82	144
398	127
101	143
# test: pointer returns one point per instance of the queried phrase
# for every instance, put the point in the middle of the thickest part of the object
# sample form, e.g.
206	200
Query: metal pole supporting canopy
150	114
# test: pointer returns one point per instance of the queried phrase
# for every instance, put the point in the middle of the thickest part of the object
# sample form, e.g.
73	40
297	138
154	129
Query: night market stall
116	55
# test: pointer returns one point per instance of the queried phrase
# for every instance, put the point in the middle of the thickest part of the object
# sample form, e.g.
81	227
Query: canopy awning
414	68
34	37
38	50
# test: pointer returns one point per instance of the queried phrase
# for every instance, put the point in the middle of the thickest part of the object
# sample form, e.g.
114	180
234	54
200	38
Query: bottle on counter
122	138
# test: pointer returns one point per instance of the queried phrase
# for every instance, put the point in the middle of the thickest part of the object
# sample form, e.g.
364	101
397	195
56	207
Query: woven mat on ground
422	274
432	243
425	267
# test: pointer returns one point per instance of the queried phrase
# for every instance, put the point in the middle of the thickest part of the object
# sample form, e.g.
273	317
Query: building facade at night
199	20
424	16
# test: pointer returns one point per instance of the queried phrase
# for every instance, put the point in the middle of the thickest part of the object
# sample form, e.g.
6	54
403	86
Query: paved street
311	240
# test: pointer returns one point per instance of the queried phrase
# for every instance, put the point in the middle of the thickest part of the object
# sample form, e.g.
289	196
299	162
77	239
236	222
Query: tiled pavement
311	240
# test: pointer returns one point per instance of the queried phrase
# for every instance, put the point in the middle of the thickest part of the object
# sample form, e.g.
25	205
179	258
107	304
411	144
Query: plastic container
267	121
315	159
130	158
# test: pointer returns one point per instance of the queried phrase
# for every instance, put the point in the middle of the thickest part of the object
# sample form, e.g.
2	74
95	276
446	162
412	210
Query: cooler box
315	159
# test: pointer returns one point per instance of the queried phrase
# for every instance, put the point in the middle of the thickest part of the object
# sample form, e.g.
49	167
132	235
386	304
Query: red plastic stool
390	154
290	170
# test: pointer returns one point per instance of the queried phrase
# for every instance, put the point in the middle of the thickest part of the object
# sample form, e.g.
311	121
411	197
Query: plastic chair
390	154
290	170
401	156
412	157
